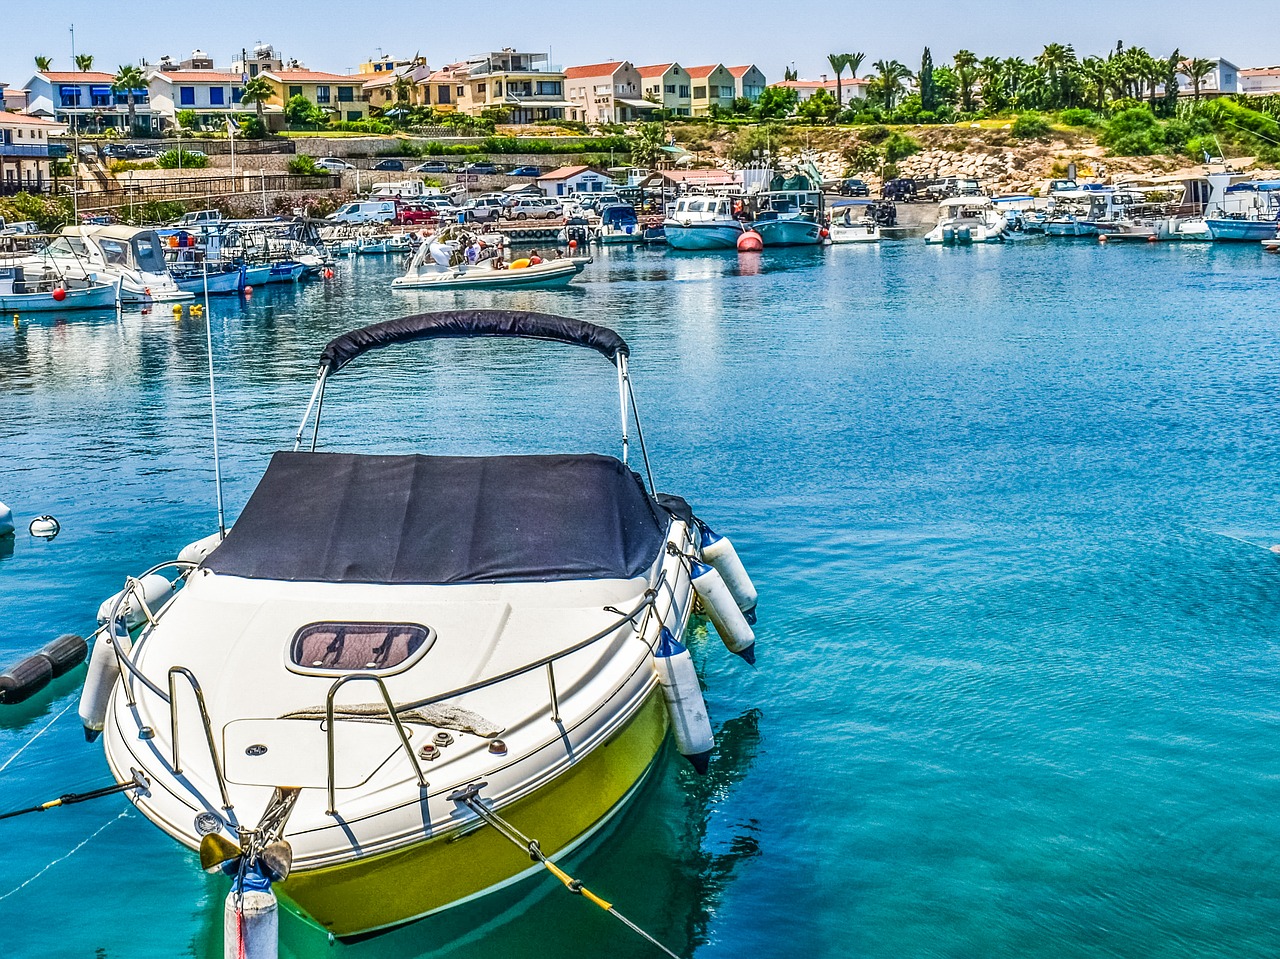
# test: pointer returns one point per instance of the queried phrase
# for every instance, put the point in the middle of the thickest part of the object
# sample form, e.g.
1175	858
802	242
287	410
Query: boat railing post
332	809
315	392
204	720
622	400
555	697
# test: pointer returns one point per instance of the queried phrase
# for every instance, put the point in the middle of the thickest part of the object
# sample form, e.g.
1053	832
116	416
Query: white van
365	211
404	190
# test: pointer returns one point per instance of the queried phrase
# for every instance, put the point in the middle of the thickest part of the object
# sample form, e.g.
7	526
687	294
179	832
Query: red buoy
248	289
328	274
824	233
750	242
573	244
59	294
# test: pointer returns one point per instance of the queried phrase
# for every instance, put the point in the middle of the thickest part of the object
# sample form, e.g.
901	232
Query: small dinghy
30	289
443	264
391	659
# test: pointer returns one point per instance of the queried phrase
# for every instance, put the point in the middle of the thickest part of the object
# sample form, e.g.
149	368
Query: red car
411	213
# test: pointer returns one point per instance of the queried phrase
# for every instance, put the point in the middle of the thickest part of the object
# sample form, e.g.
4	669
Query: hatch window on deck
358	647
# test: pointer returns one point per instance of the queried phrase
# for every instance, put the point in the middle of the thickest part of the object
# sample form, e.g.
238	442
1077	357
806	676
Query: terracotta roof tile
593	70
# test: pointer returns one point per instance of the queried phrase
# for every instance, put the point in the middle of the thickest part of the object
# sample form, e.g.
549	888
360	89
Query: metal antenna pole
213	403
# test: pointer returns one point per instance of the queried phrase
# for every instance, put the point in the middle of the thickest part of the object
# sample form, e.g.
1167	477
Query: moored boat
441	264
845	227
410	698
134	257
967	219
704	221
26	289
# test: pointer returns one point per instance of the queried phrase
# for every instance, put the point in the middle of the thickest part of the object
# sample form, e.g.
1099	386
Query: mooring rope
470	797
62	713
81	845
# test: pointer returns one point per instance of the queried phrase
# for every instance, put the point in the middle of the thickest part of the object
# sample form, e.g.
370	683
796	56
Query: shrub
303	165
899	146
187	119
876	134
181	159
1076	117
861	158
1030	126
48	213
379	127
1133	132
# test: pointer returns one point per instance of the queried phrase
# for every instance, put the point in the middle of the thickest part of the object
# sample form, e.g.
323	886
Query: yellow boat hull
381	891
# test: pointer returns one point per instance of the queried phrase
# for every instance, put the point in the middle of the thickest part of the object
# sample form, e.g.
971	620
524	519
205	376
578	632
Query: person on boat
534	259
485	251
473	252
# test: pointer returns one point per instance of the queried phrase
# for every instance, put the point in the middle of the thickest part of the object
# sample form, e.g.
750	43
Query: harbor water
1007	510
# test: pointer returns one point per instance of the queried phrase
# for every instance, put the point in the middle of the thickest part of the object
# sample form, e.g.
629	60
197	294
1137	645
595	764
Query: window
322	94
353	115
217	97
497	88
346	94
684	90
699	93
237	94
668	88
442	94
462	92
358	647
100	96
187	96
295	92
549	88
481	87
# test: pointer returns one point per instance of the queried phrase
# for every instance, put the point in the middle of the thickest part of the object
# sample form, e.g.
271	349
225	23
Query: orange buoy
59	294
248	289
750	242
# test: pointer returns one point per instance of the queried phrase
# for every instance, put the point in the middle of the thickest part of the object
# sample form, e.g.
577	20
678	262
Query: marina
1085	525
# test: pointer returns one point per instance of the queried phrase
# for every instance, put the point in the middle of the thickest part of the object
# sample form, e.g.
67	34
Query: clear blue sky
328	35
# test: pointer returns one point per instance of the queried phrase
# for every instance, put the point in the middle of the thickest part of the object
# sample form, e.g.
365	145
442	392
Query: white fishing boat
704	221
133	256
853	221
788	217
618	224
967	219
403	681
442	264
31	289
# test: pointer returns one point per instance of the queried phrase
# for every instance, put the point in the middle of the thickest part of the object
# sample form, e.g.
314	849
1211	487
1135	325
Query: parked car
952	186
901	190
390	164
1063	186
333	164
431	166
526	171
484	209
139	152
21	228
483	166
854	187
414	213
88	150
536	207
365	211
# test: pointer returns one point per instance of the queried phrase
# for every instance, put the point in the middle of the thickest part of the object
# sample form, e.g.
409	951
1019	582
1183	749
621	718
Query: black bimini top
345	518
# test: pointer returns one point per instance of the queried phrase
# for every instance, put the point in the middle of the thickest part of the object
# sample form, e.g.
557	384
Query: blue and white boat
618	224
701	221
279	271
1243	212
221	279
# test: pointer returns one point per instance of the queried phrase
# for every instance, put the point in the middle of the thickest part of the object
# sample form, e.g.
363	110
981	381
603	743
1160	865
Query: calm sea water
1016	693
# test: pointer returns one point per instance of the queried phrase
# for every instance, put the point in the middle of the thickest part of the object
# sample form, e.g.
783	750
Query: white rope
82	844
69	704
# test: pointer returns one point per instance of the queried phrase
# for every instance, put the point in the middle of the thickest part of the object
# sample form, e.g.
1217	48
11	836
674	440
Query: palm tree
84	62
258	91
1056	60
891	74
1014	73
1197	71
839	62
965	62
129	79
854	64
1096	74
44	63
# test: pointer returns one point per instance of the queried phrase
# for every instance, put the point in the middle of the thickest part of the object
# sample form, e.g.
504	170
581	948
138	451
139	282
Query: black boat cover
346	518
466	323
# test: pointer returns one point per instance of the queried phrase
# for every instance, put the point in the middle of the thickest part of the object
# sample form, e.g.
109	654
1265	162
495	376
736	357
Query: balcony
24	150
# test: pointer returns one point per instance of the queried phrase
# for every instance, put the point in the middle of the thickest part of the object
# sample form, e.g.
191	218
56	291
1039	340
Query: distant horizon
326	40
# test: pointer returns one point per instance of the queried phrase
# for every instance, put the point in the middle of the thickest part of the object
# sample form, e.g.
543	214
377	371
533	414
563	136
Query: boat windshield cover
346	518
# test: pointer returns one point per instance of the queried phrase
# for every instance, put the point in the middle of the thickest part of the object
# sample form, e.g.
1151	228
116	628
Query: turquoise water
1016	692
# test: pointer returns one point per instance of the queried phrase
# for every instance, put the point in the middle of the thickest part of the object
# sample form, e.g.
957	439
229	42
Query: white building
1259	81
85	98
212	95
574	179
605	93
1223	79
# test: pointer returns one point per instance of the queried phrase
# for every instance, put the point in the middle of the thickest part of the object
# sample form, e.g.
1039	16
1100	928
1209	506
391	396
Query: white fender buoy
104	670
197	551
718	551
722	610
686	708
46	527
6	520
155	590
251	923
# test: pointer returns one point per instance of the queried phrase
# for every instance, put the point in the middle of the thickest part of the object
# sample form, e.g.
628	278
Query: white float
686	708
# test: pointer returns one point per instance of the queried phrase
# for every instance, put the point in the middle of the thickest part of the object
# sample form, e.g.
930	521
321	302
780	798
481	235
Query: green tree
1054	60
84	62
821	107
775	103
1196	71
854	63
928	92
839	63
646	147
1169	106
186	119
257	92
789	73
129	80
44	63
888	81
301	112
965	65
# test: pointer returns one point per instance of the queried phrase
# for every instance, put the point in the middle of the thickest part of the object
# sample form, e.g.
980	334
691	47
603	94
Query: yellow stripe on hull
395	887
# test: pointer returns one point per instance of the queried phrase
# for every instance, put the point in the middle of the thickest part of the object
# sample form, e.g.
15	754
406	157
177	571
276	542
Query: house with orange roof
1260	81
606	93
85	99
334	93
668	85
748	82
24	152
712	85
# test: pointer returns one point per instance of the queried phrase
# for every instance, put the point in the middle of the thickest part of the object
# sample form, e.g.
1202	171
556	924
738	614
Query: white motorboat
618	224
788	217
33	289
393	665
441	264
846	227
967	219
133	256
703	221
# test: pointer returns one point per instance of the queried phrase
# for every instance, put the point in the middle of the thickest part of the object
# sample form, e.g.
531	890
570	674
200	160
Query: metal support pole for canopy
315	432
622	399
315	392
635	411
